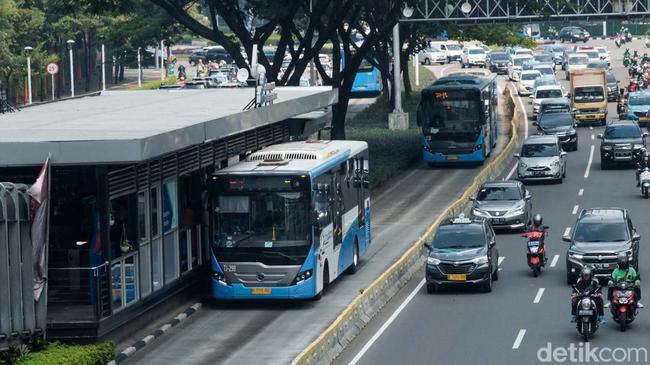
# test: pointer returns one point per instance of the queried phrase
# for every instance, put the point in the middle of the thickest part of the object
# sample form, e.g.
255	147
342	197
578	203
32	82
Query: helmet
622	260
537	219
586	274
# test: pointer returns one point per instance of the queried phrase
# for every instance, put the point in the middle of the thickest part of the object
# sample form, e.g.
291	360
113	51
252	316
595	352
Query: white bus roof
296	157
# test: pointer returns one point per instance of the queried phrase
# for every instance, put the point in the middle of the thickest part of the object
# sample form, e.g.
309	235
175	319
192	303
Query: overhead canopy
132	126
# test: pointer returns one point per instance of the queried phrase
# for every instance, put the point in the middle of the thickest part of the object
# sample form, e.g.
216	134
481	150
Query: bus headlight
478	147
302	276
219	277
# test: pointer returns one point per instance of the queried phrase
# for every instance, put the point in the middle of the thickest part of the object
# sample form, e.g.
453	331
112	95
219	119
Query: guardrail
78	294
370	300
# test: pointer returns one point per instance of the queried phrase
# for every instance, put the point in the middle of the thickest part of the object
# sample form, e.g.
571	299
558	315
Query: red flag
40	194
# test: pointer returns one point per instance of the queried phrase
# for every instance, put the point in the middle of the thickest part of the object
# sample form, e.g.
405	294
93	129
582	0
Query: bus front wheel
355	258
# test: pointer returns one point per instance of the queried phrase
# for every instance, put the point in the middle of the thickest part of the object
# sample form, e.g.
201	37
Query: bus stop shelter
130	208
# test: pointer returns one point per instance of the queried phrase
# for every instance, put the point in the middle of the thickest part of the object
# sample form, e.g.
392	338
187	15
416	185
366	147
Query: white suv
544	92
516	65
473	56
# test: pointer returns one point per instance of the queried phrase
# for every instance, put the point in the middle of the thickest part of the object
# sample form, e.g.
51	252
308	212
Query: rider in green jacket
624	272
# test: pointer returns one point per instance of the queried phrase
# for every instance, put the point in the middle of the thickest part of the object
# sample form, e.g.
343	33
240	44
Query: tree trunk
406	79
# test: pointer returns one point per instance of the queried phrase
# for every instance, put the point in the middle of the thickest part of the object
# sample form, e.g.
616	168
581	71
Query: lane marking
520	337
591	127
555	260
567	231
593	136
581	192
591	159
538	297
512	172
501	258
523	109
575	210
390	320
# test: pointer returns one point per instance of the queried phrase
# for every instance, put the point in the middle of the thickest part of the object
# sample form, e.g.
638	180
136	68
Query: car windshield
492	193
547	71
546	58
555	120
462	236
611	79
622	132
477	51
591	54
578	60
365	66
545	94
530	76
601	232
520	61
499	56
539	150
639	100
541	81
432	50
557	49
588	94
453	47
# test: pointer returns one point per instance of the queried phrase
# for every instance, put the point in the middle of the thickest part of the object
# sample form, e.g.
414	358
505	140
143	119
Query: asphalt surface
522	314
276	332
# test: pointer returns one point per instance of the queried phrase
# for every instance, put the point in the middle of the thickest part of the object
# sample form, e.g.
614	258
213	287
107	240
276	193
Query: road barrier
371	299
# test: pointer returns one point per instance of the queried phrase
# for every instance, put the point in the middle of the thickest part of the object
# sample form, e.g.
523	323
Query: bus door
337	208
487	127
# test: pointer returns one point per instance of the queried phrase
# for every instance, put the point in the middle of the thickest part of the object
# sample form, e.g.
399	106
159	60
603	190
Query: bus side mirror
366	179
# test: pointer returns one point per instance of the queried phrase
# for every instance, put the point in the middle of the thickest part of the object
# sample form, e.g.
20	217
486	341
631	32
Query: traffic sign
52	68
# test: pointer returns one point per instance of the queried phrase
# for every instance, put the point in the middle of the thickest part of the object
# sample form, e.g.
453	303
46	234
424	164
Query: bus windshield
452	115
365	66
262	219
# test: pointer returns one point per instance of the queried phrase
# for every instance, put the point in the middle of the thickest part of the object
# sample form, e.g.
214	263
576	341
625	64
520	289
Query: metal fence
78	294
21	318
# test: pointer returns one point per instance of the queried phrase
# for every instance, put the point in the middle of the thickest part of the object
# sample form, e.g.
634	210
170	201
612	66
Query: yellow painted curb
307	355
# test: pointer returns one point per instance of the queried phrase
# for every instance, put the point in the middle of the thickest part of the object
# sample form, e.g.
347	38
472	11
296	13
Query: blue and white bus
368	78
290	219
459	119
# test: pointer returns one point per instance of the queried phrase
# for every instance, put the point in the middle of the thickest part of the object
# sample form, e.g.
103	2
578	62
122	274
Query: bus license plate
452	158
261	291
457	277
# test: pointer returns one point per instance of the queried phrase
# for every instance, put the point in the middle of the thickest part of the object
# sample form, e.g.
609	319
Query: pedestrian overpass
507	11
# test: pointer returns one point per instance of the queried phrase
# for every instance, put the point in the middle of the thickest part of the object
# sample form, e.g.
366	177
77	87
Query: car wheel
355	258
487	286
575	146
495	277
431	288
603	164
427	61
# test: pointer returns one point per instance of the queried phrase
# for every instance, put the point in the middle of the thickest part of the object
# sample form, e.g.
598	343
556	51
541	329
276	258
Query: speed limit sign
52	68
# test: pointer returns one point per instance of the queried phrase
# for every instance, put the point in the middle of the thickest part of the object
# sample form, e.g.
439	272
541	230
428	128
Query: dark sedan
498	62
561	125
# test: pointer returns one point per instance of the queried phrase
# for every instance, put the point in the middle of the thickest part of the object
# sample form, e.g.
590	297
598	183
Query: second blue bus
459	119
290	219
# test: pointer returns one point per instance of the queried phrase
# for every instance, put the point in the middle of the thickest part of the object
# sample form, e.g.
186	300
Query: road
276	332
515	323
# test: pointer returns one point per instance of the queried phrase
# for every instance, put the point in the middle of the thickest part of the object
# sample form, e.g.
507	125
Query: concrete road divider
370	300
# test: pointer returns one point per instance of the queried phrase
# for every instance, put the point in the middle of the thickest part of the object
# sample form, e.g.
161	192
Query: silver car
506	204
541	158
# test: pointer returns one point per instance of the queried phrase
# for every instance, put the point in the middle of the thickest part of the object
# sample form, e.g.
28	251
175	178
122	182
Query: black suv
600	234
622	142
562	125
573	34
497	62
462	252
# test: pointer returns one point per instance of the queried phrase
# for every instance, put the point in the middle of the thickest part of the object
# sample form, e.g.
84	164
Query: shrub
153	85
62	354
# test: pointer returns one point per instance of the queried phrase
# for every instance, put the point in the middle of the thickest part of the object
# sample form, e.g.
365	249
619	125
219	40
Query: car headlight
602	110
433	261
628	253
555	163
606	148
479	213
522	165
575	255
481	260
638	146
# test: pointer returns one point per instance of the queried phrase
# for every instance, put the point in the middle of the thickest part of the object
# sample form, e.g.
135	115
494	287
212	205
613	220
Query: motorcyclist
627	53
624	272
538	226
586	283
633	86
641	164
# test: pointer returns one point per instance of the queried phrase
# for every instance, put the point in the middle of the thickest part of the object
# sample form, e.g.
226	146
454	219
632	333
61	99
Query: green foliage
153	85
62	354
500	35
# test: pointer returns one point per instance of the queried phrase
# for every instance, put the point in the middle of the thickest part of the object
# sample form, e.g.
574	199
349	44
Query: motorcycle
535	252
647	42
586	314
617	41
628	37
623	304
644	182
626	61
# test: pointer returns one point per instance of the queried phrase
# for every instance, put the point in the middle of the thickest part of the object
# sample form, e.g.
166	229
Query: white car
452	50
522	51
575	61
431	55
541	158
473	56
593	55
516	65
544	92
545	70
604	55
527	81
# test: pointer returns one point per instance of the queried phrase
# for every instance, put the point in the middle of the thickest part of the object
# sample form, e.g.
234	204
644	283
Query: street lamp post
139	69
70	45
28	52
103	68
398	119
312	76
